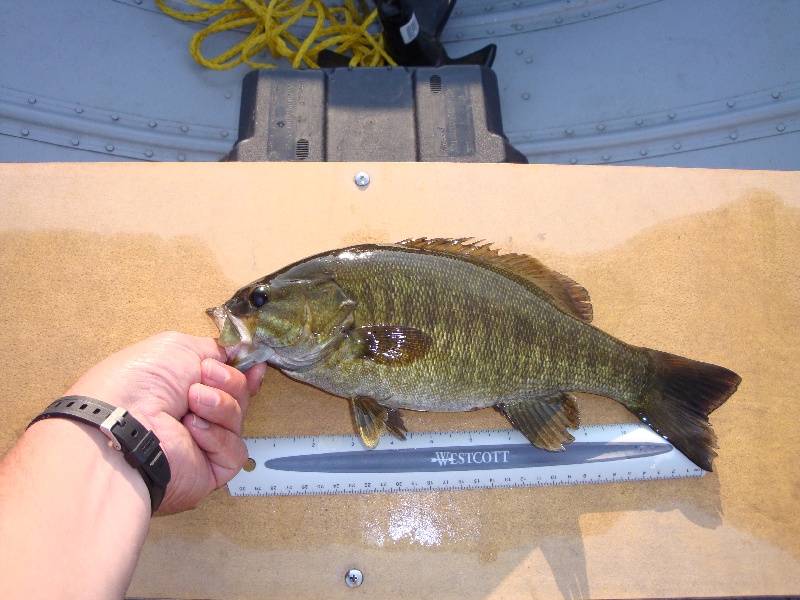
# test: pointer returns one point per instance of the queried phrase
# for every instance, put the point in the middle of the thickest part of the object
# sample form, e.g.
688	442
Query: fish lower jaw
238	352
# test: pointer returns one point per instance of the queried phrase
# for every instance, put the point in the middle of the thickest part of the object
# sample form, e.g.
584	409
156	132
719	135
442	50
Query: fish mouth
234	334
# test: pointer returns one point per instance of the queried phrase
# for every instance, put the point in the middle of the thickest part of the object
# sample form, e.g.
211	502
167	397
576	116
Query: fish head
292	323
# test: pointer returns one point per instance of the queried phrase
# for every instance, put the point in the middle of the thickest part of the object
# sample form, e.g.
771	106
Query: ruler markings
436	461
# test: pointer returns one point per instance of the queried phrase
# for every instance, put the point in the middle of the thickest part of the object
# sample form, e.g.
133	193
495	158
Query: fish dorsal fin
563	291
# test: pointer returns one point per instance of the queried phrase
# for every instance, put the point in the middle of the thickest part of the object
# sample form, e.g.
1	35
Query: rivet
152	123
518	51
676	145
488	8
115	117
353	578
458	11
228	95
573	161
517	3
643	151
780	127
224	134
148	153
526	96
569	131
31	100
586	15
529	59
459	35
731	103
181	157
527	136
620	5
138	1
281	124
601	127
75	141
639	121
184	128
776	95
110	148
734	135
361	179
559	20
606	157
25	132
490	31
518	27
78	109
671	115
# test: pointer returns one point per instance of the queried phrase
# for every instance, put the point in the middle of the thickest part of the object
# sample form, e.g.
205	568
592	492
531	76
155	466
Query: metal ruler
341	464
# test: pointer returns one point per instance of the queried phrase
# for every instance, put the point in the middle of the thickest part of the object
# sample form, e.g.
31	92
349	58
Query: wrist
74	495
140	447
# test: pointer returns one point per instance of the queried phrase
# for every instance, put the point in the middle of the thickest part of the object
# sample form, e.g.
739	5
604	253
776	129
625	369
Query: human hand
179	387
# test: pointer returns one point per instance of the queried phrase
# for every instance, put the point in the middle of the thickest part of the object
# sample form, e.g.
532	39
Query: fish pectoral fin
372	420
544	420
391	344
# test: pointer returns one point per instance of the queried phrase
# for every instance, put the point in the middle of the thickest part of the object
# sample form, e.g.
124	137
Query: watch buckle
115	418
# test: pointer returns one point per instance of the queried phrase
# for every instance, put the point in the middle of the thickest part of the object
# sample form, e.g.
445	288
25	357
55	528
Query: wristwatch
141	447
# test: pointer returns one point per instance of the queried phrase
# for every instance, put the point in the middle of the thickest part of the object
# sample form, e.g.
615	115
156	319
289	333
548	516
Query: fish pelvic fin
684	392
560	290
545	420
372	420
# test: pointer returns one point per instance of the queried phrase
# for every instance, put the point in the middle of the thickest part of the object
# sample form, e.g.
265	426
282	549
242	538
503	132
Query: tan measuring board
700	263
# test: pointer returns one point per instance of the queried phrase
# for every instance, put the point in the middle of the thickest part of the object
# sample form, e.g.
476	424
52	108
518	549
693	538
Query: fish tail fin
683	394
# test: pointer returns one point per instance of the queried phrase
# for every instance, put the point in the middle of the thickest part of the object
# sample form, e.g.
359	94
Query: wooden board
694	262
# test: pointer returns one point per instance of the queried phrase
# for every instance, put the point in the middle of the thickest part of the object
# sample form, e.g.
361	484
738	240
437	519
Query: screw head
361	179
353	578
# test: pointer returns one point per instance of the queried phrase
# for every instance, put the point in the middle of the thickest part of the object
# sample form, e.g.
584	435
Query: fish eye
259	296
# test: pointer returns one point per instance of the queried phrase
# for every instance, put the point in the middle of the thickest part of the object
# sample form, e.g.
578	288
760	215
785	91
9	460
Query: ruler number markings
470	473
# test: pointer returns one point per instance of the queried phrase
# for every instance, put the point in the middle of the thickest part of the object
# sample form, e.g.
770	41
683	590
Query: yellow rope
341	29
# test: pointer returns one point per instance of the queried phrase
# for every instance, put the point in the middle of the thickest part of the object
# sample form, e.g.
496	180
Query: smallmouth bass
453	325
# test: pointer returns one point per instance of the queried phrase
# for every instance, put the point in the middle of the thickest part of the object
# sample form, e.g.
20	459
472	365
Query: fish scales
484	349
453	325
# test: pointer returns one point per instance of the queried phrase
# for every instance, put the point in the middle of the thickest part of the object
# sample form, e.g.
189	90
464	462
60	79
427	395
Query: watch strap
141	447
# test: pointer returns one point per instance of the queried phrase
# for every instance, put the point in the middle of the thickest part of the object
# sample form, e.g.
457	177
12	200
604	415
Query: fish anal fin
565	293
391	344
545	420
372	420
